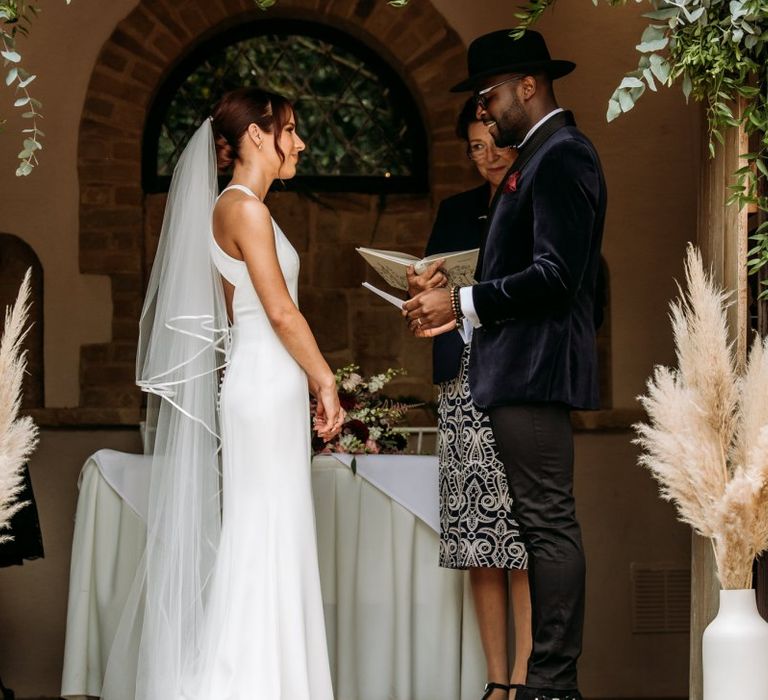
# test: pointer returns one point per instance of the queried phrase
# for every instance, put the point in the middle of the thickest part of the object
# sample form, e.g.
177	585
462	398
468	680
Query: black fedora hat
497	53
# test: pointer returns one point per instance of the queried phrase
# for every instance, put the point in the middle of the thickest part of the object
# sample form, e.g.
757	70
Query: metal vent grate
661	598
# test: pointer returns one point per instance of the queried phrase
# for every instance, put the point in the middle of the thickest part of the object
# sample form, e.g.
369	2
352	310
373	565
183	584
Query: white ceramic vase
735	650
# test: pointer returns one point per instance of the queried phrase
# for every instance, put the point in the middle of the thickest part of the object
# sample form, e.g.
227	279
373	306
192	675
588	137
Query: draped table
399	627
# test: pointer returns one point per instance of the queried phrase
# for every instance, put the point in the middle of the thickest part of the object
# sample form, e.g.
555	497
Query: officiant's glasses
480	151
481	96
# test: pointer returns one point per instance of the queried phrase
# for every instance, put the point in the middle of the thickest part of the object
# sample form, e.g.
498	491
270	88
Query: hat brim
554	69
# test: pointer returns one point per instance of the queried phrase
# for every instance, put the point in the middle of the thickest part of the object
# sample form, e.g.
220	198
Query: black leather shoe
490	687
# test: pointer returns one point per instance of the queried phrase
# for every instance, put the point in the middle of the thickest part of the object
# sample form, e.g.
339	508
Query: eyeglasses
481	96
480	151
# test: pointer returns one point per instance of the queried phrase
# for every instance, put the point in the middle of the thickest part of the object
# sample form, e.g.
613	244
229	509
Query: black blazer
460	223
536	286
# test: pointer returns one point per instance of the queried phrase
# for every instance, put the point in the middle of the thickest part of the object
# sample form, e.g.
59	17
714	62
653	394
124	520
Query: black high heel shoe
490	687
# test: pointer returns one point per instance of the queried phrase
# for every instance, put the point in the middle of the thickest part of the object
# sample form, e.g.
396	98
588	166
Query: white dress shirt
471	319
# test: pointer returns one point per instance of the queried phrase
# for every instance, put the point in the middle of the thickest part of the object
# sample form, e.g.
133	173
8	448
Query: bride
228	607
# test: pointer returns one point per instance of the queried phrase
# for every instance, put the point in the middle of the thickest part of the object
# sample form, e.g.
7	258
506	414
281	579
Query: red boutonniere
511	184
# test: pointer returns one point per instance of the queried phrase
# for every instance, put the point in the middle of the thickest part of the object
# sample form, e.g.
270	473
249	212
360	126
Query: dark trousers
535	443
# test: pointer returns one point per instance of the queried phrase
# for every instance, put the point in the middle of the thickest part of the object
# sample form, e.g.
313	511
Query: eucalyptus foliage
718	51
15	19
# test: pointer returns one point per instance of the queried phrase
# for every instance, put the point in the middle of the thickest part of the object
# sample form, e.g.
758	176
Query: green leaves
630	82
668	14
660	67
648	75
626	95
15	18
757	258
614	110
687	85
738	9
654	39
529	15
30	146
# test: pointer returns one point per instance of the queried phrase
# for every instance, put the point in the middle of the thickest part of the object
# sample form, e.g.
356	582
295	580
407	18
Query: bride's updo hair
240	108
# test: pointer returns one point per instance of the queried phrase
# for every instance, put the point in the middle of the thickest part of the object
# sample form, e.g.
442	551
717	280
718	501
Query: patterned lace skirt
476	524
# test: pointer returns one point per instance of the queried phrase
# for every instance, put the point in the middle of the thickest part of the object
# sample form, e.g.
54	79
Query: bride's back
243	302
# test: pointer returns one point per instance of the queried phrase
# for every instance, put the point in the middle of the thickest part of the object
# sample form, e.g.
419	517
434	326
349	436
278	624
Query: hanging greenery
15	19
718	51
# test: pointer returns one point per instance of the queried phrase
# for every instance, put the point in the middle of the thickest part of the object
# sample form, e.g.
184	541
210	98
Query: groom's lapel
539	138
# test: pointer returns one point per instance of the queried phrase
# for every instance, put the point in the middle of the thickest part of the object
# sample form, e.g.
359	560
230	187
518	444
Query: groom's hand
430	313
433	276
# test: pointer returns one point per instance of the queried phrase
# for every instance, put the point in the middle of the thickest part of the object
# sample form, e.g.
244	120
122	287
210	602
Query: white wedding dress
264	632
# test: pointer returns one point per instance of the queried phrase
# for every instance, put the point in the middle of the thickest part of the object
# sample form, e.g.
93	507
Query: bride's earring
259	144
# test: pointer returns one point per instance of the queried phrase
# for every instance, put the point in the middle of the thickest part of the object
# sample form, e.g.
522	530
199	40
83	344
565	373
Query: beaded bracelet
456	303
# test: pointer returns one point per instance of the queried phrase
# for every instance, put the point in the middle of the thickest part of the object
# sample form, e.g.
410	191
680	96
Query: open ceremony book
392	266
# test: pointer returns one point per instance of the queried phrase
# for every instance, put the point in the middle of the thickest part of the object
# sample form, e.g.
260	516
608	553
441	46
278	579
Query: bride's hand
330	415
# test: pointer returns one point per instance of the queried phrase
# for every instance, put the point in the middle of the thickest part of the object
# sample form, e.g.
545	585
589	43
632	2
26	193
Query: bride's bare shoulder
237	212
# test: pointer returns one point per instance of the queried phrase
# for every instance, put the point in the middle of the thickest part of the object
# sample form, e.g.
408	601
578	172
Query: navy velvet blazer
536	284
459	225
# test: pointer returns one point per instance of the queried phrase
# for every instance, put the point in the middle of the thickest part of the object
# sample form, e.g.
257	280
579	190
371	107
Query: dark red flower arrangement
372	418
357	428
347	400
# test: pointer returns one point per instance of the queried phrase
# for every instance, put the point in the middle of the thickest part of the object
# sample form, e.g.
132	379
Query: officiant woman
477	531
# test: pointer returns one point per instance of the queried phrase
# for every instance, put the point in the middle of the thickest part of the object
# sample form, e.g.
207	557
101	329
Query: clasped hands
329	415
429	312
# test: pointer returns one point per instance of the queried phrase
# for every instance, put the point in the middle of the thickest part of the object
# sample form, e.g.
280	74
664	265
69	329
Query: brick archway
127	75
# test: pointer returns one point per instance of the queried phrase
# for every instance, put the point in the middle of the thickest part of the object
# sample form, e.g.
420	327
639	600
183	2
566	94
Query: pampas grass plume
18	435
706	442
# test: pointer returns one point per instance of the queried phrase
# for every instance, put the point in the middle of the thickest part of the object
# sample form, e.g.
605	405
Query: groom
531	316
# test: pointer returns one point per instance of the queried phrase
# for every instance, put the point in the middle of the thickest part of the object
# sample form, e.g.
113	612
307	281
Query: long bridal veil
182	344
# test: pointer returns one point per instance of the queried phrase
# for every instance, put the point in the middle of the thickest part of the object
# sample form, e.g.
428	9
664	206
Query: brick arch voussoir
127	74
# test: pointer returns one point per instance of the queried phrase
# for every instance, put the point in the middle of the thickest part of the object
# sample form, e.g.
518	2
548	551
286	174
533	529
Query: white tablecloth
399	627
410	480
107	545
